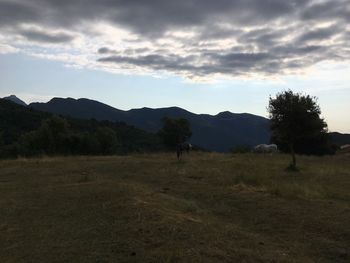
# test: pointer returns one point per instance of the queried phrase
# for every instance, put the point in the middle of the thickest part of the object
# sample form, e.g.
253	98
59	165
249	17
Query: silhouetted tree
175	131
50	138
295	120
1	138
54	132
107	139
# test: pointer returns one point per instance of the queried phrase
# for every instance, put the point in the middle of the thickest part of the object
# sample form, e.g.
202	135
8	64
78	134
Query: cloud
14	12
104	50
320	34
7	49
191	38
327	10
46	37
144	16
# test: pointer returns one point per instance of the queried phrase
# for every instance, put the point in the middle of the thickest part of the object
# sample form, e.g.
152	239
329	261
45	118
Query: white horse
344	147
266	148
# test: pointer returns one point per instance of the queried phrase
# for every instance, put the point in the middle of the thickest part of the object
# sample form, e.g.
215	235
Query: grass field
152	208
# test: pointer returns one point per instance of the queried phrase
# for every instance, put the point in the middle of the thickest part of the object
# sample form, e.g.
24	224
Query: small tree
53	132
175	131
107	139
294	118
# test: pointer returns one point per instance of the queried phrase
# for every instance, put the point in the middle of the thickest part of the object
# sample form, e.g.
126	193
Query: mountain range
25	131
219	132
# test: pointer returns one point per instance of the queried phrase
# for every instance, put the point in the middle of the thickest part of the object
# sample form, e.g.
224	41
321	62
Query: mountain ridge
16	100
17	122
218	132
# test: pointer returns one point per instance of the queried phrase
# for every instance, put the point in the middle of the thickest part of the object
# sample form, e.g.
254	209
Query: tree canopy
27	132
296	124
175	131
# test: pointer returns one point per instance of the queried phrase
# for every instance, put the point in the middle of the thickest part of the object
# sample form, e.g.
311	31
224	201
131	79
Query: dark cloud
153	61
39	36
234	63
12	13
320	34
327	10
227	36
104	50
291	51
279	59
264	37
149	16
245	60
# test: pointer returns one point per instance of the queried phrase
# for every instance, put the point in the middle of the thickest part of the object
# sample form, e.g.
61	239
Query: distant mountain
214	132
339	138
17	120
82	109
16	100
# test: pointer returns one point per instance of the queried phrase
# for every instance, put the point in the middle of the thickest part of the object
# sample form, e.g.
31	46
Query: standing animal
183	147
345	146
265	148
344	149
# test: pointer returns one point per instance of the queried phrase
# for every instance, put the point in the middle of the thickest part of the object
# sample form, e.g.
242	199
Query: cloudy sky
203	55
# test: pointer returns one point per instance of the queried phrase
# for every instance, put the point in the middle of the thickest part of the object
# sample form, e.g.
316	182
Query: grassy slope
151	208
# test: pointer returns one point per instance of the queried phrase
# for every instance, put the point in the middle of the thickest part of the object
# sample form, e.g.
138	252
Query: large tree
175	131
296	124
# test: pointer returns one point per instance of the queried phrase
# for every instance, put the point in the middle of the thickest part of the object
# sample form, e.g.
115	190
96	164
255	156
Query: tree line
27	132
295	123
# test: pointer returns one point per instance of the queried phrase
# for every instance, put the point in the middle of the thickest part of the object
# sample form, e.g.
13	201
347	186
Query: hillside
17	120
340	138
15	99
218	133
151	208
82	109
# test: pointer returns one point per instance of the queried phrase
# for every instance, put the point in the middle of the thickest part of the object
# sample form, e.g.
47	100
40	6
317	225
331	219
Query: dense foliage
175	131
296	124
27	132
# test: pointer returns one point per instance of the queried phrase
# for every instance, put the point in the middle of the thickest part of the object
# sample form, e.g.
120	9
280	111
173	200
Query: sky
202	55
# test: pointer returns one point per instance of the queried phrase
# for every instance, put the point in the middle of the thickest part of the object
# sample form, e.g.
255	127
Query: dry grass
152	208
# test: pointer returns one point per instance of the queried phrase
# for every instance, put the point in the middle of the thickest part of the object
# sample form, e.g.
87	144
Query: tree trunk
294	162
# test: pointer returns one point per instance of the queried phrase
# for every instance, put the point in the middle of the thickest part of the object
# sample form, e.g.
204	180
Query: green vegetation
27	132
151	208
175	131
296	125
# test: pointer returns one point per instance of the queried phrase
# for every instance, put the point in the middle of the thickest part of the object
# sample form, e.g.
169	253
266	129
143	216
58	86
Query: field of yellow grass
152	208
